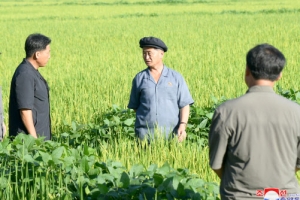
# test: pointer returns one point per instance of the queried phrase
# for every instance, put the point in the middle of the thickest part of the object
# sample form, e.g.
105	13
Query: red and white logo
271	193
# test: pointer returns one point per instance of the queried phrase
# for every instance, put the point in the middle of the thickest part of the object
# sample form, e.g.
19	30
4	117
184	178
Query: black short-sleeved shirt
29	90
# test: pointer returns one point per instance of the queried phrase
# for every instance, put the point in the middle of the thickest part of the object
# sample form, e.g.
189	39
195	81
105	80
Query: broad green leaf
125	180
209	115
94	172
87	190
158	179
129	122
68	161
148	193
101	179
168	184
152	168
84	165
106	121
117	164
117	120
196	183
103	188
136	170
86	150
57	153
28	158
180	190
203	124
164	170
3	182
106	177
74	126
115	172
65	134
176	180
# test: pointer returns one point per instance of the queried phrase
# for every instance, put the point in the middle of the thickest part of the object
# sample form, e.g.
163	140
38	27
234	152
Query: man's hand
184	116
4	129
181	132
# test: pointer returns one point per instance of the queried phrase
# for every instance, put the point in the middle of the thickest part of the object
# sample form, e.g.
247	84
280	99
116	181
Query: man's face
43	56
152	57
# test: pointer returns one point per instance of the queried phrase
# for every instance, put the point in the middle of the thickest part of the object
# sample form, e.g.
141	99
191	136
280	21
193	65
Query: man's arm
184	117
4	128
219	172
26	116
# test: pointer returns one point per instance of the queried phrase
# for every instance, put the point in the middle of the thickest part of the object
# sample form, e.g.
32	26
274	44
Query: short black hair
265	62
36	42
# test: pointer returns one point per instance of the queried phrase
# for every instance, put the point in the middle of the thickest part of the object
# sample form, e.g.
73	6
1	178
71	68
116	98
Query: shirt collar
164	72
260	88
29	64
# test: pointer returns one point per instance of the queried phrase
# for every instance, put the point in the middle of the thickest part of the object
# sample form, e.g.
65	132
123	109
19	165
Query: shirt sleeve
218	140
25	91
298	154
134	96
184	95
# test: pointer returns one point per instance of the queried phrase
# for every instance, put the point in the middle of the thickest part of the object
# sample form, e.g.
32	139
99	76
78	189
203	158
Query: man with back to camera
29	108
159	95
254	140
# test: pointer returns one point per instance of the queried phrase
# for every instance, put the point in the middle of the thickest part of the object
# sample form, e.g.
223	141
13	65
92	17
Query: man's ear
279	77
247	71
36	55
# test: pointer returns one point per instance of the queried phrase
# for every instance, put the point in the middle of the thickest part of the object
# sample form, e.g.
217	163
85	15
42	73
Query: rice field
95	54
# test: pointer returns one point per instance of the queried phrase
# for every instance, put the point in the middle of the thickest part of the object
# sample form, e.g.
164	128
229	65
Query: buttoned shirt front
29	90
158	104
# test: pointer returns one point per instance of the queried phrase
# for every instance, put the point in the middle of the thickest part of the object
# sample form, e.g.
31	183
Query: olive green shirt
256	138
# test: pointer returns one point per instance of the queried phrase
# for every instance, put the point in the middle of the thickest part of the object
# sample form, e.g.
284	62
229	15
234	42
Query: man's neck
33	63
156	69
261	82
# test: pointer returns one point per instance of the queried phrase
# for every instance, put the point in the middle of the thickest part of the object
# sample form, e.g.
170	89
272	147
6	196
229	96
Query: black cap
153	42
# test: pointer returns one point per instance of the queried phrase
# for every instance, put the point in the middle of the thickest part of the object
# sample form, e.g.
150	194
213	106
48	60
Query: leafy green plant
35	169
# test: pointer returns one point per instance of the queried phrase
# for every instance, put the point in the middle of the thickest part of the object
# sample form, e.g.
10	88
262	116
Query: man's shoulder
24	68
141	73
246	101
287	102
173	72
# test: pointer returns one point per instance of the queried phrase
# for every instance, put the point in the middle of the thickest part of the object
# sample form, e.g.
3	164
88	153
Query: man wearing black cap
159	95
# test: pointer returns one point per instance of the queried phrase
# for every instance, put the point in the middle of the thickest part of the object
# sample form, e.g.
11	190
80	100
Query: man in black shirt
29	108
